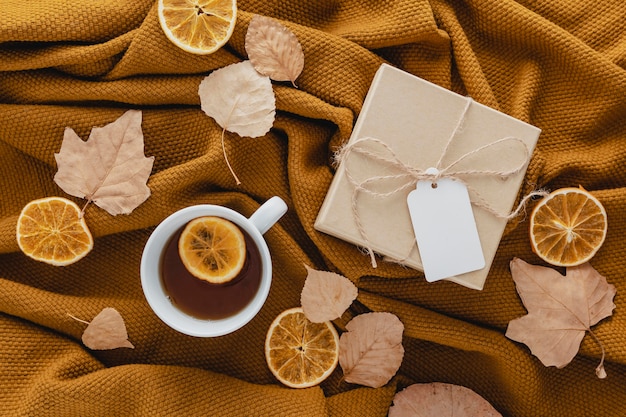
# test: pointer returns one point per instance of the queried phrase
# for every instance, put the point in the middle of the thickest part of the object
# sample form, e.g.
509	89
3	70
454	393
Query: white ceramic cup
259	223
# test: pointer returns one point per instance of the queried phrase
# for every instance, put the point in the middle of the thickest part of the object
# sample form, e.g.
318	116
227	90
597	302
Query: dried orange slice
301	353
568	227
212	249
53	230
198	26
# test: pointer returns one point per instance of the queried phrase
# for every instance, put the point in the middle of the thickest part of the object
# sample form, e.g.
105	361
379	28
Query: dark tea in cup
207	300
206	309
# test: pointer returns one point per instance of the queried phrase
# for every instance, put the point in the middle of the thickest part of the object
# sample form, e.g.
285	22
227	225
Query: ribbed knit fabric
559	65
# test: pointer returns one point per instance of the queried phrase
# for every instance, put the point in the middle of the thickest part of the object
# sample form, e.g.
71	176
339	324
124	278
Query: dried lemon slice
198	26
568	227
212	249
301	353
52	230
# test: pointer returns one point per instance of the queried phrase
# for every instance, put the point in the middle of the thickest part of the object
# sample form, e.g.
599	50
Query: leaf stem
77	319
82	211
226	159
600	372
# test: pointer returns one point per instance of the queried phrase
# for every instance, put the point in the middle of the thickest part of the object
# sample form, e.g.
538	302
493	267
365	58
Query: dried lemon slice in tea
568	227
52	230
300	353
198	26
212	249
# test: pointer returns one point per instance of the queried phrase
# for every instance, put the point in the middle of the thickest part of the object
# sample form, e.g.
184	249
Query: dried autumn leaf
560	310
273	49
110	168
326	295
240	100
440	400
371	351
106	331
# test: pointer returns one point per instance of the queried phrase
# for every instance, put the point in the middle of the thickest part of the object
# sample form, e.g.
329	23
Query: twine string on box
411	175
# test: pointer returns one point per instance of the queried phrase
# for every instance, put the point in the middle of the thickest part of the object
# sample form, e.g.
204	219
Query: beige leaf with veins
110	168
326	295
561	309
240	100
371	351
273	49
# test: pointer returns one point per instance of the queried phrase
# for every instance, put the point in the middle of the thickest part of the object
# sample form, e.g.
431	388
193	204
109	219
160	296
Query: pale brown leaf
110	168
239	99
560	310
371	351
440	400
326	295
106	331
273	49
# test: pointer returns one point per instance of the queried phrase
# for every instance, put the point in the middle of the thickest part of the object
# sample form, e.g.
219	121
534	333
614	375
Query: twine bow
411	175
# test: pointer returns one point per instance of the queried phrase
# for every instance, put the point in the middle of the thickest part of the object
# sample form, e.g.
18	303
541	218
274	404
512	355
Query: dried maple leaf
440	400
274	50
560	310
240	100
371	351
106	331
326	295
110	168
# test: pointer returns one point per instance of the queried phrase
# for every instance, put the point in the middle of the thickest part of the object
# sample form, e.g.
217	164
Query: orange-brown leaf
273	49
438	399
561	309
110	168
371	351
326	295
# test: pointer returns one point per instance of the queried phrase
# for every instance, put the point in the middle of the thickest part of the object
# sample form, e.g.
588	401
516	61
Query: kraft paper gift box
405	126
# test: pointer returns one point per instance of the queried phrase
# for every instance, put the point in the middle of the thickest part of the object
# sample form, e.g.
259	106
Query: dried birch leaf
560	310
106	331
274	50
326	295
440	400
110	168
371	351
240	100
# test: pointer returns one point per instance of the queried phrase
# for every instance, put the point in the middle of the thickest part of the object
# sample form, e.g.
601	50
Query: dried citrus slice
212	249
568	227
198	26
52	230
301	353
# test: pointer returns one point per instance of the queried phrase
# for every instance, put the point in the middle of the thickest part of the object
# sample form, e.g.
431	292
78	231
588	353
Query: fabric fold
559	66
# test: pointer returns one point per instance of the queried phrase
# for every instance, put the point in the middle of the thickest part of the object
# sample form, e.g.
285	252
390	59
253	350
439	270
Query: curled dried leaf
106	331
371	351
326	295
274	50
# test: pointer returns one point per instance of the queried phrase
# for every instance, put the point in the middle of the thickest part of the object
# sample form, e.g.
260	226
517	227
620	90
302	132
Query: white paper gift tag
445	228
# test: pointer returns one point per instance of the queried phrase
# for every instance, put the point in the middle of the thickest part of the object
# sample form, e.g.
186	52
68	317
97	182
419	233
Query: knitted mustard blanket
559	65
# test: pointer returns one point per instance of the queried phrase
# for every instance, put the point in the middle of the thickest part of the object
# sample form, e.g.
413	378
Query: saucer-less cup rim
150	269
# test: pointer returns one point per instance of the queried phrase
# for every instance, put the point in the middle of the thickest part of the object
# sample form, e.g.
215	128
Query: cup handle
268	214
